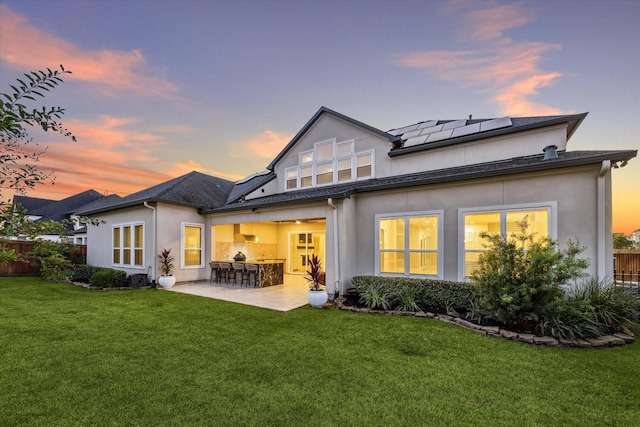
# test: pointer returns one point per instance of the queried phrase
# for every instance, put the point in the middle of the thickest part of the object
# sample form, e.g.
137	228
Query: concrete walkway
292	294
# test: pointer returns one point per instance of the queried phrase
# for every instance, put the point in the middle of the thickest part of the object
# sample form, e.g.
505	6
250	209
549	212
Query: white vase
317	298
166	282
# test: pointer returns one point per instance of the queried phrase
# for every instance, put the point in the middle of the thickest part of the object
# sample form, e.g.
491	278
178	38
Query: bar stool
252	270
238	268
224	268
215	271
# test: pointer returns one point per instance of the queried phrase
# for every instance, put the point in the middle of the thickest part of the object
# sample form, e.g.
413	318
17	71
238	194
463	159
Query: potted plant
166	279
317	296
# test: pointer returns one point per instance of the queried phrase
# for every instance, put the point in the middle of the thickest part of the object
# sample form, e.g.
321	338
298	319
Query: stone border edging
617	339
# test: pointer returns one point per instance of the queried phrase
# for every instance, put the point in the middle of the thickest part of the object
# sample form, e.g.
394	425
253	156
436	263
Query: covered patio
292	294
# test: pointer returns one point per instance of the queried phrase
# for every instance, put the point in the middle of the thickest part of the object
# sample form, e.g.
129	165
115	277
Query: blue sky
160	88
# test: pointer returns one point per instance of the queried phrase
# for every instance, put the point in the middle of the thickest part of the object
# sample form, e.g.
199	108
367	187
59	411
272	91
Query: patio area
291	295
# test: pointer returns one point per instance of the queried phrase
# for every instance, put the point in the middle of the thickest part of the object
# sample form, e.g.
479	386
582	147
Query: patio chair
252	270
238	268
224	268
215	271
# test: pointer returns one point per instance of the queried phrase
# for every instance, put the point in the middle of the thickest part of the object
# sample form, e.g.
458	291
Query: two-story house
411	201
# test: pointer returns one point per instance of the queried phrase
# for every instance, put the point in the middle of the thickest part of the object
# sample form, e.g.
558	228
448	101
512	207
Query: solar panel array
435	130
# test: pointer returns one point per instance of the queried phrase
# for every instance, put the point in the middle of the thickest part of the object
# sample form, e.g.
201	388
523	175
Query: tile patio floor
292	294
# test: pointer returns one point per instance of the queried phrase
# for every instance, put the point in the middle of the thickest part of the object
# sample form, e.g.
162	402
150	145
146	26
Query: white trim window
504	220
330	162
191	243
410	244
127	242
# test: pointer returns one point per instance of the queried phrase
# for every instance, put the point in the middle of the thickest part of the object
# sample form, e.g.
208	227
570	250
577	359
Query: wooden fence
25	266
626	265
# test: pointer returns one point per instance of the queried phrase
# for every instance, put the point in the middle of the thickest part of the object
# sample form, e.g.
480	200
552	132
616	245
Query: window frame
184	248
132	248
406	216
552	225
309	160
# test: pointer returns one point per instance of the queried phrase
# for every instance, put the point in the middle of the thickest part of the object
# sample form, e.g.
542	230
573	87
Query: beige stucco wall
168	230
574	191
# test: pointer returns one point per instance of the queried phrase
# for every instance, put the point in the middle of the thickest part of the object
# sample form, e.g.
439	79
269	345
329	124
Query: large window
504	221
128	245
330	162
192	238
410	244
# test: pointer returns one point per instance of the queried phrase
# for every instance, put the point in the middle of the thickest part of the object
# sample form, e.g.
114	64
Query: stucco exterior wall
573	190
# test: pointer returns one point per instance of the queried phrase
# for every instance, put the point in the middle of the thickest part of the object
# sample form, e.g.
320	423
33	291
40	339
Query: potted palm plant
317	295
166	279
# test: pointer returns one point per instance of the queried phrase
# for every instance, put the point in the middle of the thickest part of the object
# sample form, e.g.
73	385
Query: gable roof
194	189
249	184
481	170
324	110
57	210
439	133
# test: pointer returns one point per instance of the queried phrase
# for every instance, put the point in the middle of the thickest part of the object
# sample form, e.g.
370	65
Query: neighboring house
58	210
410	202
635	238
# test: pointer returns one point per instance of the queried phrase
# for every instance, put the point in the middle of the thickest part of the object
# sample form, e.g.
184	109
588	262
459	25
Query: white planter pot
166	282
317	298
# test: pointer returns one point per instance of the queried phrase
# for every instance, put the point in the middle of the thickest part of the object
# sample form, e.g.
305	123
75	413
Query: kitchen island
270	271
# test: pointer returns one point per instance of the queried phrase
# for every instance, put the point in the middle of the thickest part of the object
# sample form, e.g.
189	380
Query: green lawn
121	358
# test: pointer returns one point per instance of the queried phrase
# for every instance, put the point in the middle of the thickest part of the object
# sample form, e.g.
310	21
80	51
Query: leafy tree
620	241
18	153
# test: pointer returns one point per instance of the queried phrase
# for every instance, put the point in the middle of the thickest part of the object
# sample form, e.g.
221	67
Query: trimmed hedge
109	278
434	295
99	276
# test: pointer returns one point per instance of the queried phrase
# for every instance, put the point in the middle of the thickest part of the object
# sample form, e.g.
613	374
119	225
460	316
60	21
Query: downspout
153	244
336	255
601	268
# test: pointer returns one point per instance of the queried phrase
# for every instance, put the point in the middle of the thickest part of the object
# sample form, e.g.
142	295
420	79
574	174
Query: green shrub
405	299
437	295
562	320
376	297
53	258
82	273
612	306
519	277
109	278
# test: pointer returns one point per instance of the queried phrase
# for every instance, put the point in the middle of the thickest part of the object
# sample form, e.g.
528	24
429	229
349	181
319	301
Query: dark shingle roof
460	173
193	189
249	184
57	210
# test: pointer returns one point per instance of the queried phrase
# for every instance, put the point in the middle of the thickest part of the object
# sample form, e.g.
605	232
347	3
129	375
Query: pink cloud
25	47
182	168
266	145
503	66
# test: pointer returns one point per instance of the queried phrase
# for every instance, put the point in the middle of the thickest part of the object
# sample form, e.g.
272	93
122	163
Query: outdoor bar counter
270	271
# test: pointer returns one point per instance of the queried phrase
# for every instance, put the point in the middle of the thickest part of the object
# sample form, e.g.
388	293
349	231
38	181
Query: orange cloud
501	66
24	46
182	168
266	145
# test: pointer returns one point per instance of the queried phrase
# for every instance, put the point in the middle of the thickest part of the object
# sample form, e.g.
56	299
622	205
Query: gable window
192	238
363	169
330	162
504	221
128	245
409	244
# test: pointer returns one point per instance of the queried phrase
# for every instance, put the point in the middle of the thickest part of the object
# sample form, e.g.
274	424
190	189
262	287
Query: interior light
297	221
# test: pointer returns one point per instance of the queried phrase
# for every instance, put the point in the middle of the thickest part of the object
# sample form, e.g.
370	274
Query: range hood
240	237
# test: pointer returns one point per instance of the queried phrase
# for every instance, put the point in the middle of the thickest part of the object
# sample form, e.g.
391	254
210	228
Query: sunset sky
161	87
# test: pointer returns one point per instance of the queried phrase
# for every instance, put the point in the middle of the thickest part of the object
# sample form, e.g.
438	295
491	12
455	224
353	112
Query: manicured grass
156	358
